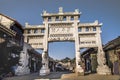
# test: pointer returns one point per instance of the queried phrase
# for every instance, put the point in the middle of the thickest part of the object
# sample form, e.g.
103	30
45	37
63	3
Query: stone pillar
79	69
102	68
25	38
23	68
44	70
45	58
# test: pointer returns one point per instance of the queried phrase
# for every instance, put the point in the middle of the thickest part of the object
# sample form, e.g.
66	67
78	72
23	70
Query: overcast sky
105	11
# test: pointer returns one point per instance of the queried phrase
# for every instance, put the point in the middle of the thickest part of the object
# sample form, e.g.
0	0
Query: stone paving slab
64	76
73	76
35	76
47	79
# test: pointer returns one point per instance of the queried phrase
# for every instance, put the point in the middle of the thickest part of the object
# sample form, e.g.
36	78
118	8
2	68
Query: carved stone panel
60	32
87	40
36	41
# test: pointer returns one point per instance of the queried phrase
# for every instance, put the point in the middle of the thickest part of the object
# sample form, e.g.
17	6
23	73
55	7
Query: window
87	29
35	31
57	18
64	18
94	28
79	29
72	18
29	31
42	30
49	18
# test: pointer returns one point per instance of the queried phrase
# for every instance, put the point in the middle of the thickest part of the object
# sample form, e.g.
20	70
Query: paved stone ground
73	76
64	76
35	76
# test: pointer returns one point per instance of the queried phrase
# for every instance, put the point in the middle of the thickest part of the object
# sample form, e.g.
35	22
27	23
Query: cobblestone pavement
35	76
73	76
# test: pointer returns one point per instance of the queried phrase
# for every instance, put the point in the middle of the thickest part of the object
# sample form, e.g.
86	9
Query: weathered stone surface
65	26
23	68
44	70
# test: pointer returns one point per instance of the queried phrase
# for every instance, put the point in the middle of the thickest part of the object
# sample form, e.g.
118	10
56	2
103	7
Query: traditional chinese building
112	53
11	42
89	58
4	32
35	60
30	61
112	50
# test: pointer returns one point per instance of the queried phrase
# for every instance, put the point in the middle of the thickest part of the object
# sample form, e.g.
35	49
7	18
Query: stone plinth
103	70
44	71
21	70
79	71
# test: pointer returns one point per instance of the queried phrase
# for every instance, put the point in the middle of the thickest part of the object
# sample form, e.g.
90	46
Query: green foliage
67	59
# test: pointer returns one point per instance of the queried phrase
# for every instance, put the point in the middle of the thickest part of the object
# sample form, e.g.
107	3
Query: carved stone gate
65	26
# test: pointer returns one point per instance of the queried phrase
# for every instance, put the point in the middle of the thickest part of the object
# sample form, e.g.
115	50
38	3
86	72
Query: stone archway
65	26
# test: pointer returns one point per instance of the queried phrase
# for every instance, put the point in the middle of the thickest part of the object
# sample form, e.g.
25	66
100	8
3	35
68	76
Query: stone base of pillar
44	71
79	71
103	70
22	70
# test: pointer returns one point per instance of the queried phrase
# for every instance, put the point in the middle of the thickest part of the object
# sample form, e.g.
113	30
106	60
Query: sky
105	11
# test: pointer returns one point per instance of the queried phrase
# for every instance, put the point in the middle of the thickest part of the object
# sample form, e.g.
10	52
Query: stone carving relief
67	27
60	32
101	58
87	40
23	67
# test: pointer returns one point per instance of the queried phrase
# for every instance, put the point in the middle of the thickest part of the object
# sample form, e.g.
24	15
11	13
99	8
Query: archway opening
63	55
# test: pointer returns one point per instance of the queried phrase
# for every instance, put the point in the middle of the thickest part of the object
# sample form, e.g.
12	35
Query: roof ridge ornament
60	9
76	10
44	11
26	24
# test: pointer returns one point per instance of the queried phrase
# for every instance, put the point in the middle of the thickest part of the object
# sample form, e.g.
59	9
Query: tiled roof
112	44
16	22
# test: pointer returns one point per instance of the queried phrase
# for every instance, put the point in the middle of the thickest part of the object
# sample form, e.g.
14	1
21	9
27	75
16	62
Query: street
35	76
64	76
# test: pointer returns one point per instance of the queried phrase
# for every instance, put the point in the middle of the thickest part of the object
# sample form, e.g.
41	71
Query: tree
65	60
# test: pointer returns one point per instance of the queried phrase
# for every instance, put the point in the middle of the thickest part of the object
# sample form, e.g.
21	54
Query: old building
30	61
112	50
35	60
11	42
112	54
89	58
4	35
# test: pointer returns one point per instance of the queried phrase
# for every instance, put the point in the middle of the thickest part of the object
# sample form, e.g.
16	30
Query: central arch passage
60	50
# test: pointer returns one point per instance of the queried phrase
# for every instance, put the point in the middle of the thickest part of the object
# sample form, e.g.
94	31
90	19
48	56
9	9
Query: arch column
102	67
45	70
45	57
79	68
24	56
